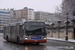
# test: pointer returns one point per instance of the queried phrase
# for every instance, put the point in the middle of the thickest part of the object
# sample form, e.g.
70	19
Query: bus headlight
26	38
45	38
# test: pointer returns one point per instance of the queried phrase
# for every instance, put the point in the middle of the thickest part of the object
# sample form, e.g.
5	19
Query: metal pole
67	28
52	32
59	30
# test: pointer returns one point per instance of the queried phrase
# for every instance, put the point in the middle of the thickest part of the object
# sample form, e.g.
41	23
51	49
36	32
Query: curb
62	40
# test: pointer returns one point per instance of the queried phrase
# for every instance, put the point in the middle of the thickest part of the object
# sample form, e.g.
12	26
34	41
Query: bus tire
7	39
17	40
37	43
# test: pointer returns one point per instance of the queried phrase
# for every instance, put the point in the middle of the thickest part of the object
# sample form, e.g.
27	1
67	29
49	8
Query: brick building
25	13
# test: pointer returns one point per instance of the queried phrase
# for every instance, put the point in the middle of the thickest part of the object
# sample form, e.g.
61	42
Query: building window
4	12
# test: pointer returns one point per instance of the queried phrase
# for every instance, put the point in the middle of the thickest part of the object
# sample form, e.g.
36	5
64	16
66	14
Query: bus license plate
36	37
36	40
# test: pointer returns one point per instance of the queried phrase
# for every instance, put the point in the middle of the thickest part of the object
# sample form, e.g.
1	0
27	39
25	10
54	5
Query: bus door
4	32
17	29
11	32
21	31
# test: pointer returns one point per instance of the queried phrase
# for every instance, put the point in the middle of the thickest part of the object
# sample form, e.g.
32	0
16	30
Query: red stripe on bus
41	41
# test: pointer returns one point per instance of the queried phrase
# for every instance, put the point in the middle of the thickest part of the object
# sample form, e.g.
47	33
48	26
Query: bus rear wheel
18	40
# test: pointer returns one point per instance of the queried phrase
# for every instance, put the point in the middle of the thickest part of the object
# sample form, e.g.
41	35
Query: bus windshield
35	28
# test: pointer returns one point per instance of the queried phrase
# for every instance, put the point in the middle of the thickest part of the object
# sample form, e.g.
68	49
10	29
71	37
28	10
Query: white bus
25	32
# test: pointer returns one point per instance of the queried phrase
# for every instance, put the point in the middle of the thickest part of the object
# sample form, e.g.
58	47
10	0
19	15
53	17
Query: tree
58	9
59	15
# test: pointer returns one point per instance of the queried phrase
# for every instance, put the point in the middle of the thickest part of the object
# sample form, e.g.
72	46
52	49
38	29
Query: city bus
25	32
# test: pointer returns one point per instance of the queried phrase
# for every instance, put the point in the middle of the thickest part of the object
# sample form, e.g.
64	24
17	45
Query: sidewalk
61	39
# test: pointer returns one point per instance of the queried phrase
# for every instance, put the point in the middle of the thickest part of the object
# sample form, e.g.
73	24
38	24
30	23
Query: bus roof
20	23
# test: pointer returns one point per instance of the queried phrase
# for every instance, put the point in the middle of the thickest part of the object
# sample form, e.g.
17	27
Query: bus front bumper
35	41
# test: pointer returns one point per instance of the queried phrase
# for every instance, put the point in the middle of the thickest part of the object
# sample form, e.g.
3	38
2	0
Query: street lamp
52	24
49	24
67	22
49	21
59	21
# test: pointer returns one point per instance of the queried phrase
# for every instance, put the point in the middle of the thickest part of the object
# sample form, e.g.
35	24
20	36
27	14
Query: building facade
60	32
73	20
25	13
43	16
4	18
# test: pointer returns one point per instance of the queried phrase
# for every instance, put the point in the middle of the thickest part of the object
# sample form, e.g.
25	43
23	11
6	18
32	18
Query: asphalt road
50	45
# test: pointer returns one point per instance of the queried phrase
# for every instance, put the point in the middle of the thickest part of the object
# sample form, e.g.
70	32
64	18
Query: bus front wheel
17	40
7	39
37	43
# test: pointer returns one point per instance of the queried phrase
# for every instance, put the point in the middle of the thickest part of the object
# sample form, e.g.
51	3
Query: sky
37	5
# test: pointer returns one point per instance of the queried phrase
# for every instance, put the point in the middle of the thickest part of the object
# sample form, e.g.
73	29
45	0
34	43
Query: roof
73	20
33	21
44	12
20	23
12	24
